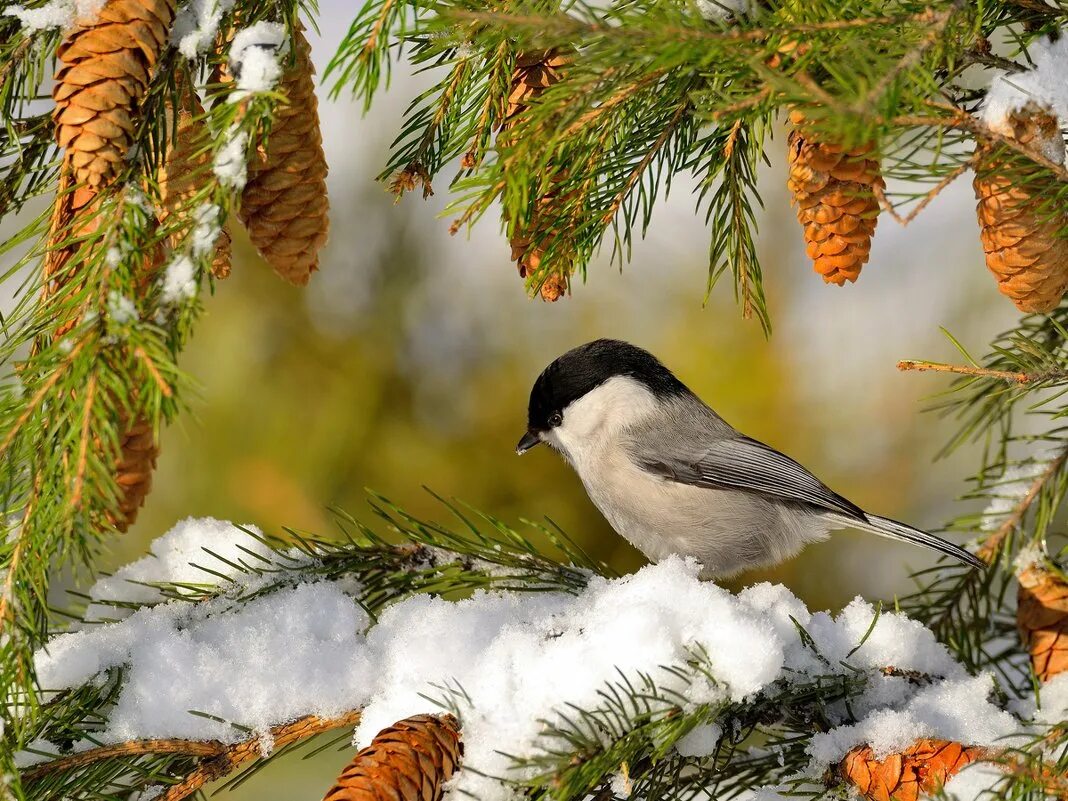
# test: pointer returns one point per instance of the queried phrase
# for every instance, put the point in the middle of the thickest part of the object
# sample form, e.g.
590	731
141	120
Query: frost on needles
221	634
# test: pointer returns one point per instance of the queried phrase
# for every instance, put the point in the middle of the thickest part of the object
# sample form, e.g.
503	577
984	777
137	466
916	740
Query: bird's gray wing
743	464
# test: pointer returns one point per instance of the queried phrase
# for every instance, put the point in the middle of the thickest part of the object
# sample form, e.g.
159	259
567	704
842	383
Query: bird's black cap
586	367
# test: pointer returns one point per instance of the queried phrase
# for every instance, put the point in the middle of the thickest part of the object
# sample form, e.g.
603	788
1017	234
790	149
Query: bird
674	478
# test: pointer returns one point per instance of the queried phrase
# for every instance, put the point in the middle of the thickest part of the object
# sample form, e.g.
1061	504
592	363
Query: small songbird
673	477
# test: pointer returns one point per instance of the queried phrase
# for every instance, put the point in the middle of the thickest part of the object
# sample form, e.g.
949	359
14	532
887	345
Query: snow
976	782
254	58
278	657
121	310
956	709
206	228
230	163
1012	487
179	280
1053	701
508	662
196	25
1030	556
56	14
719	10
701	741
1044	86
178	557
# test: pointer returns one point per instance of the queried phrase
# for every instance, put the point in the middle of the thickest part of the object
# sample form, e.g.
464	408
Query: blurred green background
408	361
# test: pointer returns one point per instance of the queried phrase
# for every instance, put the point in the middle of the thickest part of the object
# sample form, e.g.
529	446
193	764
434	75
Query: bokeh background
408	360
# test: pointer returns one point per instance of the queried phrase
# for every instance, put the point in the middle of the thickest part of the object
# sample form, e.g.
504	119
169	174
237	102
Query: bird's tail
891	529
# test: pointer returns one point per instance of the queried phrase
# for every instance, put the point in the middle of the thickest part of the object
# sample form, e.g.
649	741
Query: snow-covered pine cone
409	761
833	190
1023	251
284	204
915	773
106	63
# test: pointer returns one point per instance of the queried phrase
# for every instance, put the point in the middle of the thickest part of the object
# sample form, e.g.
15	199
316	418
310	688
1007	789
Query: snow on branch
223	635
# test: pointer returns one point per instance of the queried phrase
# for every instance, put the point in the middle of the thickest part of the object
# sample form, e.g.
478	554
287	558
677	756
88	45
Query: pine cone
284	204
106	63
133	473
1042	618
409	761
534	73
921	768
1023	251
188	160
833	189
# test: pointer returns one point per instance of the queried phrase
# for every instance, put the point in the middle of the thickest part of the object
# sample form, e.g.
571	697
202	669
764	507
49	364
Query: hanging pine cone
284	204
1023	251
139	451
833	189
534	73
106	64
917	771
183	173
409	761
1042	618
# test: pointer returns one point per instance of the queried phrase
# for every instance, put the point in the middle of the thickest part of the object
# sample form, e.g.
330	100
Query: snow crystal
121	310
956	709
1054	698
56	14
701	741
1030	556
281	656
976	782
230	161
718	10
179	280
206	228
196	24
179	557
1043	85
621	785
254	58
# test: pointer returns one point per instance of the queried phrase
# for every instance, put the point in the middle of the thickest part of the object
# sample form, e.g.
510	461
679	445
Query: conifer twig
982	372
234	756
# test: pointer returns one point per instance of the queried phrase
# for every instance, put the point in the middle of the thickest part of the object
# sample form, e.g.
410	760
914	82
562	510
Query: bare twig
888	207
981	372
236	755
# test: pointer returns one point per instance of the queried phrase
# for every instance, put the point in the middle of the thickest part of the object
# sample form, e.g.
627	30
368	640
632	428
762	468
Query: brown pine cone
106	64
1042	618
409	761
920	769
534	73
133	474
1023	251
833	189
183	173
284	204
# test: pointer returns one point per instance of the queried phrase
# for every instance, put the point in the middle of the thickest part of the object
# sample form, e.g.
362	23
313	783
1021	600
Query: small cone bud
188	160
534	73
284	204
918	771
833	190
409	761
105	67
1023	251
1042	618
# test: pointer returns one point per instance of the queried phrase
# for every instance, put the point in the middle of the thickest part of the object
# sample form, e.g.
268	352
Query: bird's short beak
529	440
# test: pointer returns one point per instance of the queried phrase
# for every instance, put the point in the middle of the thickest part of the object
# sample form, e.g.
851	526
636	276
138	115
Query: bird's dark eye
555	419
